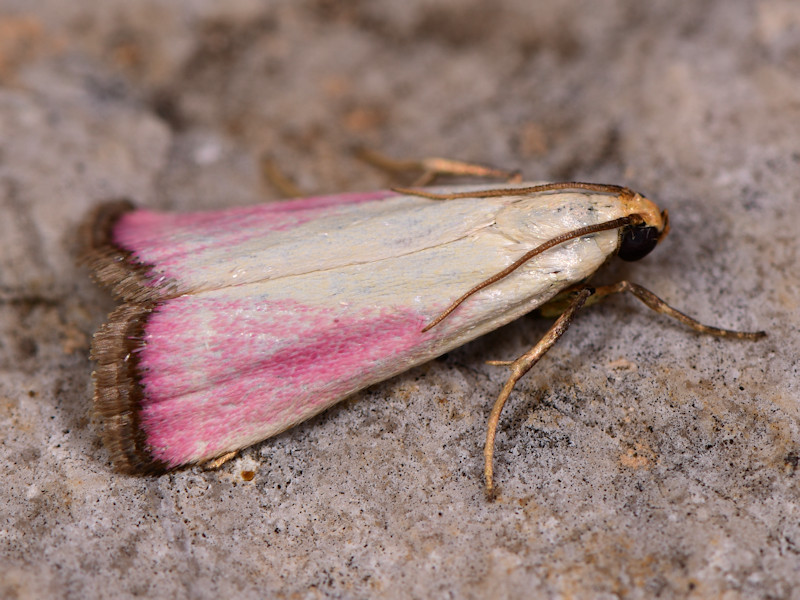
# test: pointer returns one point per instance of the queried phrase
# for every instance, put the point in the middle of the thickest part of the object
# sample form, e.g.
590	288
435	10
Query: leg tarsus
518	368
216	463
277	178
657	304
433	167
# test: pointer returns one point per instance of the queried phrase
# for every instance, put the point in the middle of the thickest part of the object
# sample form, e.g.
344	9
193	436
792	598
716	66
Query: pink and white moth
237	324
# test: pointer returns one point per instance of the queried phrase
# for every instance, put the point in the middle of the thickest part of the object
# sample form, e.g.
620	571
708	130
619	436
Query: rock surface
637	460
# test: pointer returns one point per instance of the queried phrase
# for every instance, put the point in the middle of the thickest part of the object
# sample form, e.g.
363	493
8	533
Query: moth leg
658	305
272	174
216	463
433	167
518	368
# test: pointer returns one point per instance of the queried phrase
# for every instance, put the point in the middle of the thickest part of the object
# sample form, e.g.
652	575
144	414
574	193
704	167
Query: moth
237	324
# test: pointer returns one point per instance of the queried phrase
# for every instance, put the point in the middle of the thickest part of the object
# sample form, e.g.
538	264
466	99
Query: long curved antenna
603	188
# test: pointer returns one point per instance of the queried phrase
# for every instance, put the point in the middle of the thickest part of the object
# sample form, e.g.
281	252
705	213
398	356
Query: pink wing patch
221	374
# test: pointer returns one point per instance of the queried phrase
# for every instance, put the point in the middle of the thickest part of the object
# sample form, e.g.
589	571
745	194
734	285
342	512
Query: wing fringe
118	391
114	267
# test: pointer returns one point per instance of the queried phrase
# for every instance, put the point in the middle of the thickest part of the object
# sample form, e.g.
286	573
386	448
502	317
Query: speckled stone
637	460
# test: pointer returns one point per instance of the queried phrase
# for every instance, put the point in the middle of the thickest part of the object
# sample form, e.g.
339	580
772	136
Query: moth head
638	239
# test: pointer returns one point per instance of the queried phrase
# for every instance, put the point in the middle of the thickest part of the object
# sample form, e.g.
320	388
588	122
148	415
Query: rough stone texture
638	460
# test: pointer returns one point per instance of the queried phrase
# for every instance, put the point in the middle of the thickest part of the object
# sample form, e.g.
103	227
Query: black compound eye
637	242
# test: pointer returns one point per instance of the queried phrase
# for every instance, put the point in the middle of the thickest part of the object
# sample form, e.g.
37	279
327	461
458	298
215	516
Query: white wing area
216	250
